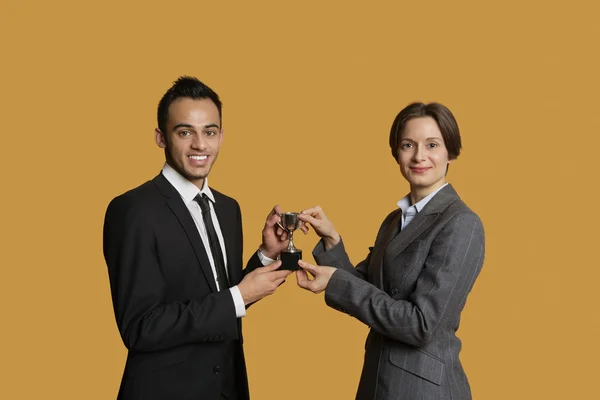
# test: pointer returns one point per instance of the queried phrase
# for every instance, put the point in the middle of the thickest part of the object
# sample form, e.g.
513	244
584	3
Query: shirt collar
404	203
186	189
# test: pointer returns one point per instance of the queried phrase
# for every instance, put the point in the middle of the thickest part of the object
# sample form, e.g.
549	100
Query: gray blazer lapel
381	242
422	221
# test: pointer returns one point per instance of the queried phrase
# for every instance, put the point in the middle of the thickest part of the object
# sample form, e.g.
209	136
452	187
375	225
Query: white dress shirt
188	191
410	211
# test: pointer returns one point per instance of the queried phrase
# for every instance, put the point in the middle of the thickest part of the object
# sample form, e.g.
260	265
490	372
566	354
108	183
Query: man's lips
198	160
198	157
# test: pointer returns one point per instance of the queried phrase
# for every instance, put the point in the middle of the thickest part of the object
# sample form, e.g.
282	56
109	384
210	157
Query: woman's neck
419	193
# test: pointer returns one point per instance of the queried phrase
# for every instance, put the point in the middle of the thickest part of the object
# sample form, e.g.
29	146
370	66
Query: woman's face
422	155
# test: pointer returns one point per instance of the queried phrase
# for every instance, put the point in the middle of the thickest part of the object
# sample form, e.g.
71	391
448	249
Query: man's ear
222	134
159	138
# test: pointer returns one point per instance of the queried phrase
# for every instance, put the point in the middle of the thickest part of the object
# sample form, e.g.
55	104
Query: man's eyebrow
190	126
183	126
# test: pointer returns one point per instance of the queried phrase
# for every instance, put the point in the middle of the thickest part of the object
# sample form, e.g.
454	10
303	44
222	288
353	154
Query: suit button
394	291
217	370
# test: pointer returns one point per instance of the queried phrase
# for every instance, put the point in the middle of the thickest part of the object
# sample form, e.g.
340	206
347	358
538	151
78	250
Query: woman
412	287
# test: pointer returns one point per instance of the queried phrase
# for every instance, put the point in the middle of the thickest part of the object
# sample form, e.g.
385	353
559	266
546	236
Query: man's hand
274	238
321	274
322	225
262	282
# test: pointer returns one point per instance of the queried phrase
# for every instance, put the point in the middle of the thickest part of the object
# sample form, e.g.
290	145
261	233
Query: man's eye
185	133
210	133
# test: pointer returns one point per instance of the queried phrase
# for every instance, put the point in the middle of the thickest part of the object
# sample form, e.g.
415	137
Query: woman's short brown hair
442	116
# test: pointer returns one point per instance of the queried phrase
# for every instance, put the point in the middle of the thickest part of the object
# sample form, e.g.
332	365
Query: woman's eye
432	145
406	145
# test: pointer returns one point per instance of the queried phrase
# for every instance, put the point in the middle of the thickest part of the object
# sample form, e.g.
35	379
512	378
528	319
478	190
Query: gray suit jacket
410	290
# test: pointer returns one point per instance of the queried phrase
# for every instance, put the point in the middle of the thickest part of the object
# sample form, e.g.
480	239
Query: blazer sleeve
454	261
146	320
337	257
253	263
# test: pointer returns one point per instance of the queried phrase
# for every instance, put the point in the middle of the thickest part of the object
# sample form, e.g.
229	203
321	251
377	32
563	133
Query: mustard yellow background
310	90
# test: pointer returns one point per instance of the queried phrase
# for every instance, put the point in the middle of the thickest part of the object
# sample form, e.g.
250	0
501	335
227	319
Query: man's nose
199	142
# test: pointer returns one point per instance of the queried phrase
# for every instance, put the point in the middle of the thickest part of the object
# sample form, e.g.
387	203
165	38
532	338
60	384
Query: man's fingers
283	236
271	267
282	274
278	282
273	217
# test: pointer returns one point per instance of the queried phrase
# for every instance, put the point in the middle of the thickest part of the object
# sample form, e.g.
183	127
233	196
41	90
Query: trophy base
289	261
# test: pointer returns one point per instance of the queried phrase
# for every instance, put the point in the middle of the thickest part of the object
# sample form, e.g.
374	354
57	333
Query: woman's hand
322	225
321	275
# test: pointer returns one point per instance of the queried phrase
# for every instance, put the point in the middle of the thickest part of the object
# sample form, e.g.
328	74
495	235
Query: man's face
422	155
192	139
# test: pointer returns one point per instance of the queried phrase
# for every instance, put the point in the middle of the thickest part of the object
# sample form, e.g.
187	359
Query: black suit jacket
183	336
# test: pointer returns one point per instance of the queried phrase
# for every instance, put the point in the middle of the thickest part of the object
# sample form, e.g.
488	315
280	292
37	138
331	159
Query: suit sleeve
337	256
253	263
453	263
146	319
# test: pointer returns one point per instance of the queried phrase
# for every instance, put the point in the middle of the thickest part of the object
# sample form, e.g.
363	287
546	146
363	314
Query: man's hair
442	116
185	86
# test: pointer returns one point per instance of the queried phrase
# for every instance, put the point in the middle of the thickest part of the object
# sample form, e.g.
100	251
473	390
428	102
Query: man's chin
196	175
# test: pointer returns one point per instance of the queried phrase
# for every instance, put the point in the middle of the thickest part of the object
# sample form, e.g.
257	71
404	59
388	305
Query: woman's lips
420	170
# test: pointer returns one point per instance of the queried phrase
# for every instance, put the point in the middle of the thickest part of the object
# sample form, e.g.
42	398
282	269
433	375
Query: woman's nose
419	154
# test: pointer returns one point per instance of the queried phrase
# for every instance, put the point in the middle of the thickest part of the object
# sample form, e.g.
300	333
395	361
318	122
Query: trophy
290	256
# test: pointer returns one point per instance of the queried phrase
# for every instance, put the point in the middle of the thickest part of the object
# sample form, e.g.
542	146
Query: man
173	247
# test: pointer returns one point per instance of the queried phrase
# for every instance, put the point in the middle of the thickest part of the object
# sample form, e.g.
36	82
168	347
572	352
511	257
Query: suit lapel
422	221
412	231
226	216
381	243
180	210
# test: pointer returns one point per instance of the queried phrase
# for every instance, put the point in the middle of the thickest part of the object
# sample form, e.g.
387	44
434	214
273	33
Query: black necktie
213	239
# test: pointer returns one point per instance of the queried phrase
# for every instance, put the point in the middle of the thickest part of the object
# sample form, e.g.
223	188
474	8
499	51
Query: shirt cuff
238	301
264	259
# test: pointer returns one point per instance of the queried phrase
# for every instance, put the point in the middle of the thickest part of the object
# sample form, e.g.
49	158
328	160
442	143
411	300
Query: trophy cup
291	255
